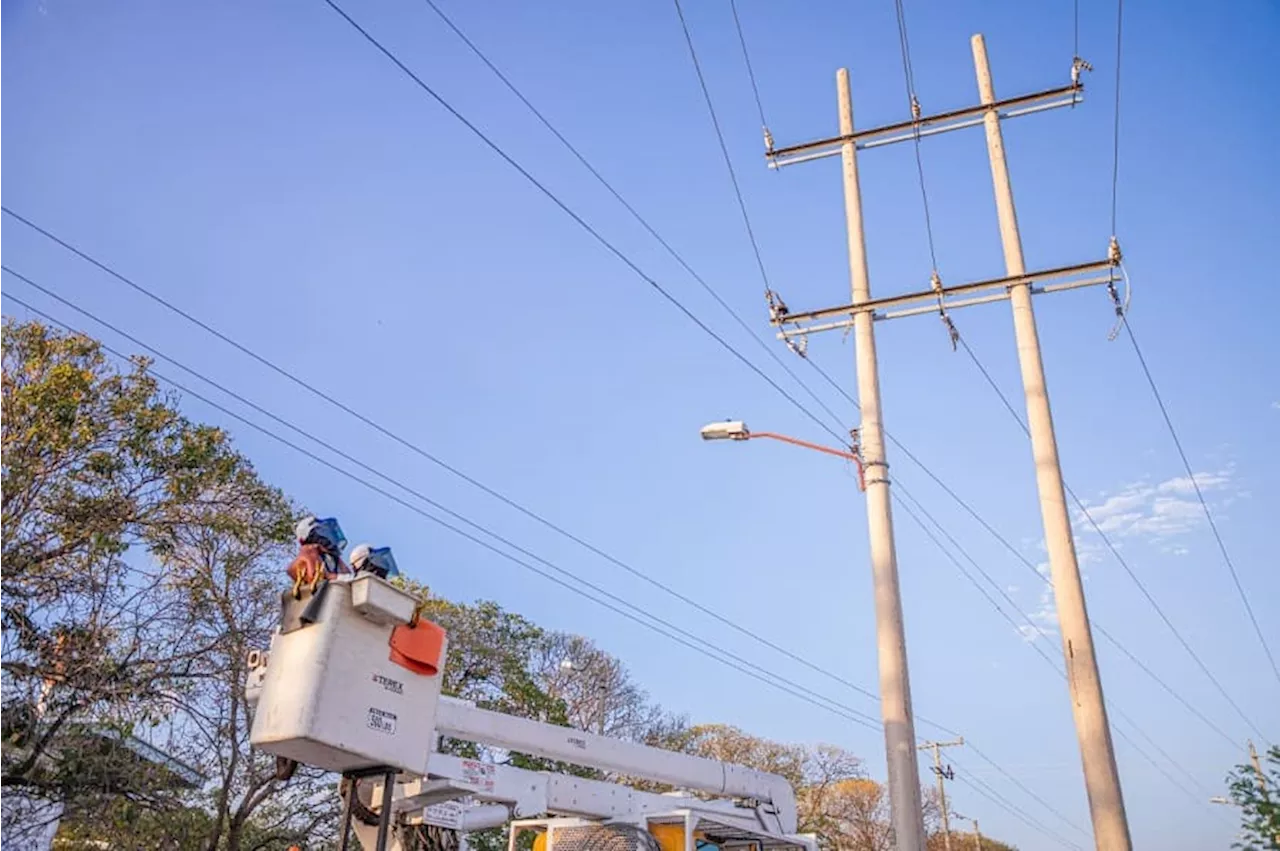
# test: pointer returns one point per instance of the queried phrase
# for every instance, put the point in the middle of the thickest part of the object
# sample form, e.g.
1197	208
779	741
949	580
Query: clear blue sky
263	167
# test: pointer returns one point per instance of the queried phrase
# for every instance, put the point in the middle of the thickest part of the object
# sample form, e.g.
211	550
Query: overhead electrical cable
635	214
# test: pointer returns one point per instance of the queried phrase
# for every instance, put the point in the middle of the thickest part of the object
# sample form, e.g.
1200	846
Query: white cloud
1154	512
1186	485
1044	618
1043	621
1275	406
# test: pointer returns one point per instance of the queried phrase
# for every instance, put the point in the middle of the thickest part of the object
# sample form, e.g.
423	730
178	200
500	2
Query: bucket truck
352	684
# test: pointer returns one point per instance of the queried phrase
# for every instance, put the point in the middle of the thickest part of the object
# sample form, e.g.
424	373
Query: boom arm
461	720
352	685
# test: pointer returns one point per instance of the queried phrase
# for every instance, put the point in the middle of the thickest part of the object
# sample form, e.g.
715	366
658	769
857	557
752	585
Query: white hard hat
359	553
303	530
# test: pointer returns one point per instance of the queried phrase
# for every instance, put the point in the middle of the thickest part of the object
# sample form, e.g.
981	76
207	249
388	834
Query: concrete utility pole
1106	804
891	640
1102	778
1257	766
977	831
943	776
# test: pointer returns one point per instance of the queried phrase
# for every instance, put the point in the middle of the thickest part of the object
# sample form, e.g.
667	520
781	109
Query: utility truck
352	684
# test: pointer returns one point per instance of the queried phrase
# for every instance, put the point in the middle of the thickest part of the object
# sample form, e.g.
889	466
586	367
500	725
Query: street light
891	641
737	430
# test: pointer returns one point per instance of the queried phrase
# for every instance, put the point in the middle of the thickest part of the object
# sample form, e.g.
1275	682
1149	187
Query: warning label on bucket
382	721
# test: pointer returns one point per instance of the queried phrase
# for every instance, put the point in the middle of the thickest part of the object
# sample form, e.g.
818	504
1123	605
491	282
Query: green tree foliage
98	468
141	561
1257	794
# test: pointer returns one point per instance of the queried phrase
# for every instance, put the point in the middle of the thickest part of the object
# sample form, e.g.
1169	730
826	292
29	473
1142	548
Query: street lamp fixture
737	430
727	430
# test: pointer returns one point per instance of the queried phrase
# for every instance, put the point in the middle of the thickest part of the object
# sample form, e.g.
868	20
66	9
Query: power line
1164	411
746	57
1004	773
1200	798
635	214
724	148
700	646
981	787
913	101
733	177
1195	484
1127	569
1115	150
1075	30
571	213
967	575
1151	380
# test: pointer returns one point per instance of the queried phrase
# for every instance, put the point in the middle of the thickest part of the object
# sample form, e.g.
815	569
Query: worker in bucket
320	543
376	560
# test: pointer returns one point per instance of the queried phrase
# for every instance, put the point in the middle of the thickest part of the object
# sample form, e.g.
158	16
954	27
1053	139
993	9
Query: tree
727	743
1254	791
856	816
142	559
225	563
819	800
98	467
819	774
596	689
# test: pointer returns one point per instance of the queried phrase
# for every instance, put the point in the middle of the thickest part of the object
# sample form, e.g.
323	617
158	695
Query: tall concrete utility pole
891	641
1106	805
1102	778
942	776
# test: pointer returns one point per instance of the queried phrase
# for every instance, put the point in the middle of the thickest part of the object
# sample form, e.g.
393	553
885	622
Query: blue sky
264	168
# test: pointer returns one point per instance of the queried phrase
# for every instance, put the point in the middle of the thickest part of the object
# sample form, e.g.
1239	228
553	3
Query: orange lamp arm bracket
854	456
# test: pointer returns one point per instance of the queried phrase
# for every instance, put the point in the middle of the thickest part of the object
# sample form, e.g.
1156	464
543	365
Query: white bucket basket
338	696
